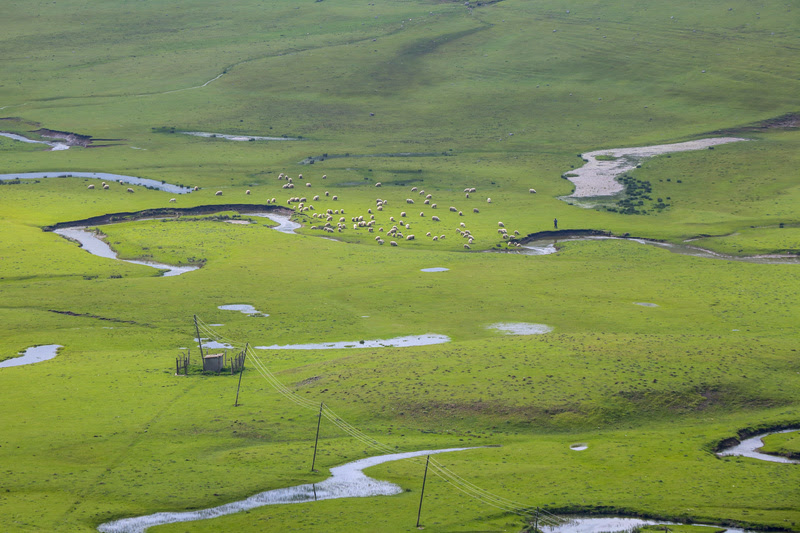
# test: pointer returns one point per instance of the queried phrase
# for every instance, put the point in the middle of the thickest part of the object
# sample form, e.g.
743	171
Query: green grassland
407	94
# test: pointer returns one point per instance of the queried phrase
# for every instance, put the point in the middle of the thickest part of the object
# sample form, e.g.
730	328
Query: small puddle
645	304
579	447
96	246
397	342
35	354
346	481
237	137
749	448
214	345
242	308
131	180
54	146
521	328
434	269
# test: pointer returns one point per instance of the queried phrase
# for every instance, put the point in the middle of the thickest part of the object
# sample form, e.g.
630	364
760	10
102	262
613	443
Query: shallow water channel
95	246
132	180
346	481
35	354
237	137
396	342
749	448
613	523
54	146
549	246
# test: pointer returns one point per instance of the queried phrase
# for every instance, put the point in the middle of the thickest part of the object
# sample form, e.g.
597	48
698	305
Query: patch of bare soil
788	121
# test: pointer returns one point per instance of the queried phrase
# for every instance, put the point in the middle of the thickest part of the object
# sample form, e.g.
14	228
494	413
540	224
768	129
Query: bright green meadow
422	98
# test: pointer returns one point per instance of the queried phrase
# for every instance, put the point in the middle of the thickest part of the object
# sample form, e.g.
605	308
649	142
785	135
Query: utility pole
422	494
316	441
199	341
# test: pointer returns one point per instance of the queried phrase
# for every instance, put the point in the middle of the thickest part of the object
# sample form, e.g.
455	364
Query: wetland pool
34	354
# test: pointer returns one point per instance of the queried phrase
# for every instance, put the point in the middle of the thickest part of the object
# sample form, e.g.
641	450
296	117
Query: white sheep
500	224
475	210
327	193
324	176
393	243
488	200
316	197
427	202
466	246
428	234
532	191
453	209
463	225
413	189
461	213
435	218
378	184
195	188
90	187
409	237
403	214
172	200
433	206
308	185
247	191
130	190
335	198
435	238
409	201
422	213
391	219
105	187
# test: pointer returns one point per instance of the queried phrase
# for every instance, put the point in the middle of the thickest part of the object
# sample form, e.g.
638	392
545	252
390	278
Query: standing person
555	223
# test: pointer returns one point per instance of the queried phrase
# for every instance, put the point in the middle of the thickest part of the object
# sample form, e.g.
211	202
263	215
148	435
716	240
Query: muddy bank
120	178
598	176
54	146
168	212
35	354
562	235
346	481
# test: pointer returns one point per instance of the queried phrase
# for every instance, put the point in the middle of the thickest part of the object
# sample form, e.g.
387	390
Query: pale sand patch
597	178
242	222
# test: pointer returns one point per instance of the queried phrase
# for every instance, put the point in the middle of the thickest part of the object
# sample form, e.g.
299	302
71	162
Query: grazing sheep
433	206
324	176
172	200
409	201
453	209
469	241
335	198
316	197
466	246
475	210
90	187
380	208
435	238
304	199
391	219
427	202
247	191
327	193
409	237
381	241
435	218
428	197
532	191
516	232
308	185
441	236
369	211
467	195
130	190
299	176
403	214
195	188
428	234
105	187
393	243
378	184
372	217
488	200
341	219
501	224
422	213
461	213
473	189
408	226
413	189
463	225
272	200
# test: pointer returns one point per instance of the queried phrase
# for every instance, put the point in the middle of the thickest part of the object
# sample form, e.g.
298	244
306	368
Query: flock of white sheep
331	220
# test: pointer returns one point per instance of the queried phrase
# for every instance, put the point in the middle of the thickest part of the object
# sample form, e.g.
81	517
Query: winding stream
396	342
749	448
54	146
346	481
237	137
598	176
132	180
95	246
548	246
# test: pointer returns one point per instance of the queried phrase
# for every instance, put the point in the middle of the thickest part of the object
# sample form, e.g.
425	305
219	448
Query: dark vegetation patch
637	198
789	121
562	234
310	160
89	315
